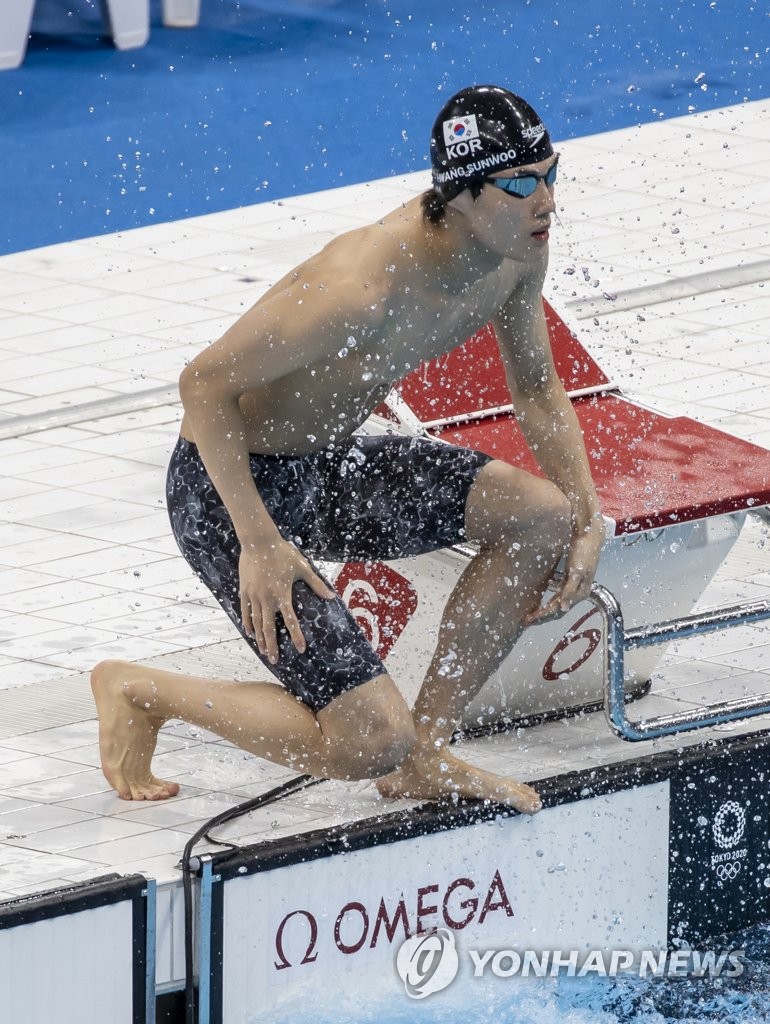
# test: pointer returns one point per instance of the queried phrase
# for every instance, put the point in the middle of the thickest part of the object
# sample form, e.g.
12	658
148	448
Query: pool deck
661	256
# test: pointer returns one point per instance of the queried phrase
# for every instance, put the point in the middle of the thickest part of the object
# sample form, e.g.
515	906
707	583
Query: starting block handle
619	641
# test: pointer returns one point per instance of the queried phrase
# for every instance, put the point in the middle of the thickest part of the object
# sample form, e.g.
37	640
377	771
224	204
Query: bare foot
429	774
127	735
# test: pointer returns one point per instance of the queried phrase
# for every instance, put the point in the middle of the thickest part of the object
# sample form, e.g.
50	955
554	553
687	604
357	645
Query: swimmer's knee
380	748
510	506
374	756
391	747
370	729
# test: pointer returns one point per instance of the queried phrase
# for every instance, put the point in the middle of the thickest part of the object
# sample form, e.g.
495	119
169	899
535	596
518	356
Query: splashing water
562	1000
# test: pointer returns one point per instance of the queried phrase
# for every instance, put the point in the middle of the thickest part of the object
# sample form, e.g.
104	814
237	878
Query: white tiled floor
660	259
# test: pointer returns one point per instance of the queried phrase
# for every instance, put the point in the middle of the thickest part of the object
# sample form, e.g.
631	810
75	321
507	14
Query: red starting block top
650	470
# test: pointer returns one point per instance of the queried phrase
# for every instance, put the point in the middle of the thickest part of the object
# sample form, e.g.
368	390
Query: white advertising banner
77	967
588	875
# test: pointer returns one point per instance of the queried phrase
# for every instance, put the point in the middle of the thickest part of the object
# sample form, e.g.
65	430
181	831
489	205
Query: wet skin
305	366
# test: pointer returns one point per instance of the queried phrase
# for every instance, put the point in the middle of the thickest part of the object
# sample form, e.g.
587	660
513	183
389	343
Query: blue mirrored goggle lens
525	184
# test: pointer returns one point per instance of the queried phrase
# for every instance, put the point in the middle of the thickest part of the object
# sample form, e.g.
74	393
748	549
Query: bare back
363	312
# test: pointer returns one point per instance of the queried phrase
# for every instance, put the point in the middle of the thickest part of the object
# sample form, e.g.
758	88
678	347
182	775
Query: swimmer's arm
280	334
551	429
258	349
274	338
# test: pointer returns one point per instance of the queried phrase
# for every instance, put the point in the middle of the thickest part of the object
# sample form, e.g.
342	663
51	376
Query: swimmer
268	474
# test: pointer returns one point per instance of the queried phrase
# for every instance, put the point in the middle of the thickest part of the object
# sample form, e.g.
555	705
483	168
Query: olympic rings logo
728	871
729	825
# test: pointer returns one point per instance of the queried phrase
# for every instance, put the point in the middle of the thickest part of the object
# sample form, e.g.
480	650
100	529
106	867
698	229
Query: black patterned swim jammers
366	499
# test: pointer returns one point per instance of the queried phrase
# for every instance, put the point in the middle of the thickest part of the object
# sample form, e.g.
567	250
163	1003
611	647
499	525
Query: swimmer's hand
267	573
580	569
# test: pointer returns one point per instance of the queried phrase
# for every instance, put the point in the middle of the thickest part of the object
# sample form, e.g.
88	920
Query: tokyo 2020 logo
729	825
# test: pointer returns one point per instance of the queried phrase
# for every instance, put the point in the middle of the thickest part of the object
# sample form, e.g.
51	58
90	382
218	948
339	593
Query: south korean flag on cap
460	129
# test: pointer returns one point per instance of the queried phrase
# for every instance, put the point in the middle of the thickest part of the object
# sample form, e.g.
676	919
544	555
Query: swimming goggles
524	185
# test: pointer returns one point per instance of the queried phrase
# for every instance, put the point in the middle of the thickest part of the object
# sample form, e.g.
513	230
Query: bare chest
437	322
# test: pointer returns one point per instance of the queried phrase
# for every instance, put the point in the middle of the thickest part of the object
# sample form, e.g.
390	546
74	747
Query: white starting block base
557	667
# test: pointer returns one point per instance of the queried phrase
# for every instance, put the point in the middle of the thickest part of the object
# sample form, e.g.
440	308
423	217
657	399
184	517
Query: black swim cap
481	130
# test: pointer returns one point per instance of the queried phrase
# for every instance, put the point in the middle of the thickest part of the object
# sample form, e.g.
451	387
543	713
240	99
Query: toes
154	789
160	789
163	789
527	801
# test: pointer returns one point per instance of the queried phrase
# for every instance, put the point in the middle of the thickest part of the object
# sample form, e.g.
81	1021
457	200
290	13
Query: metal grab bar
618	641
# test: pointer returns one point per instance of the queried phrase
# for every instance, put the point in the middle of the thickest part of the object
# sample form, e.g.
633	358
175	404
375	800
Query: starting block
674	495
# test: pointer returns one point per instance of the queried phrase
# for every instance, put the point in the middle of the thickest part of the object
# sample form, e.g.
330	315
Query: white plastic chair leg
15	21
181	13
129	22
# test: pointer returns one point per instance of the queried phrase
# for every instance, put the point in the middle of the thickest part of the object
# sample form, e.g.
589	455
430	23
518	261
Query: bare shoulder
372	255
355	272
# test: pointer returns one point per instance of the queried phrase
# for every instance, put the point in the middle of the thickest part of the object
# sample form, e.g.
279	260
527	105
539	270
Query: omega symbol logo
729	825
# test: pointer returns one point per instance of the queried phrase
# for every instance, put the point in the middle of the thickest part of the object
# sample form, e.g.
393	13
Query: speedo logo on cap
533	134
461	136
